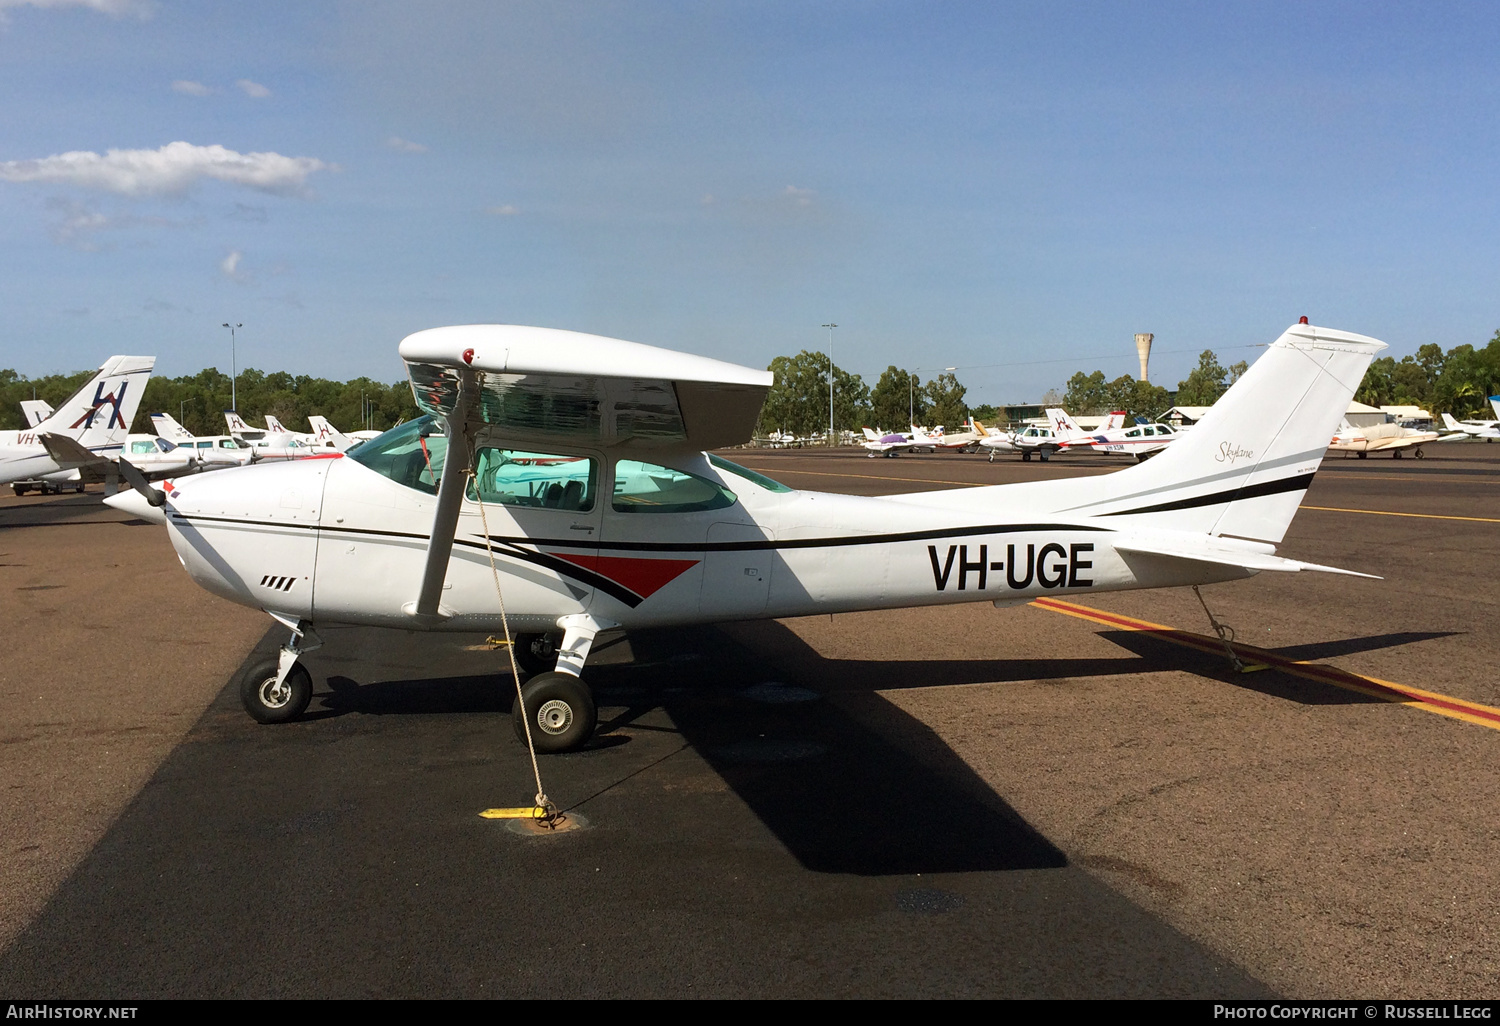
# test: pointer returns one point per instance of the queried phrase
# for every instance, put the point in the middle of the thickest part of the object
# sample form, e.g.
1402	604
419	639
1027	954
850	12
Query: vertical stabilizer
98	415
168	428
1243	469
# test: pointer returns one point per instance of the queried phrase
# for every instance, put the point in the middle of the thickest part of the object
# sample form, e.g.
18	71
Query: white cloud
253	89
186	86
505	211
801	197
171	170
401	145
79	224
142	9
230	265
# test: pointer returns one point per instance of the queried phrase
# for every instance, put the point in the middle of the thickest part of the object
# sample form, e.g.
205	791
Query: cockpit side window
648	488
511	477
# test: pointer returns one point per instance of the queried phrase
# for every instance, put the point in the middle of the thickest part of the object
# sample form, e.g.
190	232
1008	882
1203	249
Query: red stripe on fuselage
645	577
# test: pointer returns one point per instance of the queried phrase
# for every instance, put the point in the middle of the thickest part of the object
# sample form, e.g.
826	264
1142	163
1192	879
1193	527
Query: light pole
182	408
830	328
234	374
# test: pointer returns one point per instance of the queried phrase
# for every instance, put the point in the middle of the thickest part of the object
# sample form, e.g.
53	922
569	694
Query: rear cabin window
510	477
648	488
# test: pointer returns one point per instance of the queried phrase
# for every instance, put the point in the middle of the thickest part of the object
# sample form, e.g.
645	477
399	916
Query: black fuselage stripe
705	546
1286	484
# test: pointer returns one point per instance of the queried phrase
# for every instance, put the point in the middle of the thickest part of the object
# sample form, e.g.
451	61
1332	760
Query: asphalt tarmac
959	801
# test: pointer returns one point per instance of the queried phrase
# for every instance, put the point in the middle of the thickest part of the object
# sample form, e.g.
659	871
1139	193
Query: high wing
565	385
555	385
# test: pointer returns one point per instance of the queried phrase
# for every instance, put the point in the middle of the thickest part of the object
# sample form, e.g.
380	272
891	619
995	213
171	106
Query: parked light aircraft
215	450
1391	438
273	443
554	493
1114	438
892	443
1489	430
84	433
966	440
35	411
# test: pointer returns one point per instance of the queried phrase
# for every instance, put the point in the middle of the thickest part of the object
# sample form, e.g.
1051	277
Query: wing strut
426	610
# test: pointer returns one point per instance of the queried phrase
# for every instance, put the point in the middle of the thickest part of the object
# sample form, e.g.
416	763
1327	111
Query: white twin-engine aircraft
576	464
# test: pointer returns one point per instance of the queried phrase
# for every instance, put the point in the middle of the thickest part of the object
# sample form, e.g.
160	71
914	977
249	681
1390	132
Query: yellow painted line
1427	701
1389	513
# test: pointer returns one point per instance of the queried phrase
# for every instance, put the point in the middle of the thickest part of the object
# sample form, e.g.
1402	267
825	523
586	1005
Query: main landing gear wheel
1025	457
1419	454
561	711
268	702
535	653
1362	455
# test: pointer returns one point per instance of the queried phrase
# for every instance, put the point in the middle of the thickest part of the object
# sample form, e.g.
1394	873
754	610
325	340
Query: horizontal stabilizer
1226	555
68	453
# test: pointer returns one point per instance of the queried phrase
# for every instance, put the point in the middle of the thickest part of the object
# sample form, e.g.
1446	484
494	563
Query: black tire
19	489
1419	454
561	710
536	653
1025	456
261	699
1362	455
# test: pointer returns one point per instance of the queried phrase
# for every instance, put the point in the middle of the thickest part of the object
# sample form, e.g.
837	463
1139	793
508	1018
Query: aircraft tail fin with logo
1063	424
168	428
98	415
237	425
273	426
326	433
1452	424
1243	469
35	411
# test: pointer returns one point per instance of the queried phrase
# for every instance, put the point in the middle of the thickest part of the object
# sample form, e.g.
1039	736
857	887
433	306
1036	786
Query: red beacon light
1300	320
469	353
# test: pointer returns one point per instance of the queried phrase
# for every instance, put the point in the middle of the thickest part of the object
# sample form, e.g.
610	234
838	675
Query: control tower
1143	347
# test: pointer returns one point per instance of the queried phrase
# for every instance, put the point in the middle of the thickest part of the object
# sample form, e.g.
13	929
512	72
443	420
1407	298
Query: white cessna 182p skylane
576	463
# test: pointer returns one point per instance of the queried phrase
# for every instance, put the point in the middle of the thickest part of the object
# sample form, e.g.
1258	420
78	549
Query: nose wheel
278	688
271	698
559	709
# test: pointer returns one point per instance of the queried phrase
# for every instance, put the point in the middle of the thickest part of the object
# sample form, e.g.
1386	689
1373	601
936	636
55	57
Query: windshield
410	454
748	474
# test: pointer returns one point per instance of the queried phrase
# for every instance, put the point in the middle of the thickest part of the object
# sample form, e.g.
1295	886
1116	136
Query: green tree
1205	383
946	398
897	400
798	400
1086	394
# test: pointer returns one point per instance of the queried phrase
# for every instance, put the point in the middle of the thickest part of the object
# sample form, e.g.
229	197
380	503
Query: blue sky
1013	189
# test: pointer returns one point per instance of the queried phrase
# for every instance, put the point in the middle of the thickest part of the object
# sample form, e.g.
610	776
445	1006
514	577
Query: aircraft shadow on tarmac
1163	655
847	782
